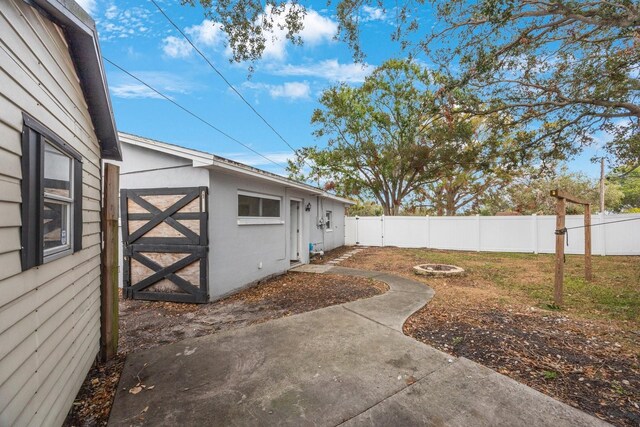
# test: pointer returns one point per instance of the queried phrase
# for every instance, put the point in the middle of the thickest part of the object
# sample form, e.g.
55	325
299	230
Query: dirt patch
553	354
586	355
147	324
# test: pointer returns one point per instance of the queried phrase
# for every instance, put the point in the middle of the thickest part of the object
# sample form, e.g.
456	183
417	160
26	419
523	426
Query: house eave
84	48
213	162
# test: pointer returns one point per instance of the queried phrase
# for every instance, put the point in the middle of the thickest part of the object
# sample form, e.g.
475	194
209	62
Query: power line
223	77
206	122
565	231
602	223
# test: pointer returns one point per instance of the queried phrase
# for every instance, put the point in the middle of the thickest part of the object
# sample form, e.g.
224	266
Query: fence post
534	227
479	231
357	222
109	264
382	230
428	231
603	235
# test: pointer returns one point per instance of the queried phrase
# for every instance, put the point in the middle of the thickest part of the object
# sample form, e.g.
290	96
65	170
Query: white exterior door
294	234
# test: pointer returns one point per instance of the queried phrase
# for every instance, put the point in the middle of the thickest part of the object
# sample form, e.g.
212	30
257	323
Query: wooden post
587	242
109	283
561	206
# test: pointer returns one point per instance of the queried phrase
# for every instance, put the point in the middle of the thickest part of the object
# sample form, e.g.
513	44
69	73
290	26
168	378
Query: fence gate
164	236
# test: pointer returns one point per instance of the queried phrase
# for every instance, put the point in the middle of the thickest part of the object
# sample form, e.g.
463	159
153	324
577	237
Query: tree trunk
451	204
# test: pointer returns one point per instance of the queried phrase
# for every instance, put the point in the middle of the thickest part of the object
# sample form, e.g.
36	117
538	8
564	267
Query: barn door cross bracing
164	236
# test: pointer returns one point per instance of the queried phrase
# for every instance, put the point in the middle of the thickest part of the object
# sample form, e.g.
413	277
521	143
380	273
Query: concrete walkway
348	364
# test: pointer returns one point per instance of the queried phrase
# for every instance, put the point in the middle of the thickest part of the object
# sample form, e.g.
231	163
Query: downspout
322	229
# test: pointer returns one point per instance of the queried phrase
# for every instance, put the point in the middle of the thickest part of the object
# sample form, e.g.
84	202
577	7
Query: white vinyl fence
533	234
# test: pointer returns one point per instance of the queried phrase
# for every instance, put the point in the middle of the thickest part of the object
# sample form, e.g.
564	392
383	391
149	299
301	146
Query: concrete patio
343	364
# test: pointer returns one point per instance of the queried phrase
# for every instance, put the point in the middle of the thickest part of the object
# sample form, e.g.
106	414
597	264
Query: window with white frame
58	200
254	205
329	220
51	196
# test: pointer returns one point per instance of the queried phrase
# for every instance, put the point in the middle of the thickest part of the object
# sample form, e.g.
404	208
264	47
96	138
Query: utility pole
602	185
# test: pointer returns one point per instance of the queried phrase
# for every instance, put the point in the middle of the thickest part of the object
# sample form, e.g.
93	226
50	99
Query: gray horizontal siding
49	315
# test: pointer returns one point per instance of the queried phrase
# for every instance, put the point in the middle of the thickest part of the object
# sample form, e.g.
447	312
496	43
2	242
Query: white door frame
295	253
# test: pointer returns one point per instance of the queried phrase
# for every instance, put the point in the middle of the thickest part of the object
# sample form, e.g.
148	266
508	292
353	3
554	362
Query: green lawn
614	292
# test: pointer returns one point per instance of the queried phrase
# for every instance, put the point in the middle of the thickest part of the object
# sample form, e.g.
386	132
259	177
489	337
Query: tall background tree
529	193
389	138
490	161
379	143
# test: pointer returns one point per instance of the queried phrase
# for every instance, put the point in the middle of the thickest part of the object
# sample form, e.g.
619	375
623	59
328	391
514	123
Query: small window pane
328	216
56	225
57	172
248	206
271	208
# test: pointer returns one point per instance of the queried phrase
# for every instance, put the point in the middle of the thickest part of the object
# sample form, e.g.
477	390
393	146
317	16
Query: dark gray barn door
164	235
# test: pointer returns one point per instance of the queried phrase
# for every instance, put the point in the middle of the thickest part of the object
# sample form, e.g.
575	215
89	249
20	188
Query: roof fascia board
282	181
210	161
82	38
198	158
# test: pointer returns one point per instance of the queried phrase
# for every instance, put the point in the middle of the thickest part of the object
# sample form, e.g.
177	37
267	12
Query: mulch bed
147	324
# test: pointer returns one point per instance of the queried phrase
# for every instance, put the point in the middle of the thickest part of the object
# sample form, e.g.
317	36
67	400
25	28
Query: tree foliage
490	165
566	68
389	137
629	182
530	194
378	143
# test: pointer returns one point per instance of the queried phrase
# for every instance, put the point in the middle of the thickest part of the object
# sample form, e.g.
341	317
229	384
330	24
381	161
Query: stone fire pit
438	270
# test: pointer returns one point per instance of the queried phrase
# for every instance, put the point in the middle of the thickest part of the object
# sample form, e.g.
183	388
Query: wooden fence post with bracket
561	231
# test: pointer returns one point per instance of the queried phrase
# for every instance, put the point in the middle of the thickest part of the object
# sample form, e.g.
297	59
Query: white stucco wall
335	237
239	255
242	254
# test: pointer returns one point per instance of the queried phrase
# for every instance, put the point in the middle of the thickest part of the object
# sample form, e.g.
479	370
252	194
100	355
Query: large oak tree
392	136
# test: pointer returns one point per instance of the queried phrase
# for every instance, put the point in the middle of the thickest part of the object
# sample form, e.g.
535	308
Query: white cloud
111	12
167	83
317	29
207	33
373	13
118	24
175	47
290	90
329	69
133	90
88	5
287	90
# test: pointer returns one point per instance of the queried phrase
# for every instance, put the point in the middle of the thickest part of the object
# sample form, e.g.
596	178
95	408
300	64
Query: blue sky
284	87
